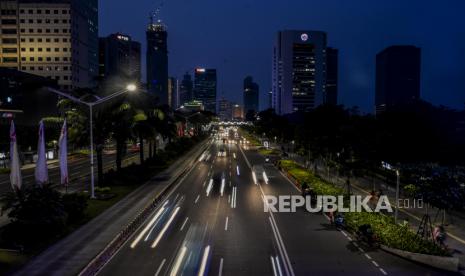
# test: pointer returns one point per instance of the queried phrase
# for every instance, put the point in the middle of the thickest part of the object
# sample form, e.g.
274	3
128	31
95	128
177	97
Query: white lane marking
160	267
197	199
279	244
229	198
344	233
178	262
273	265
210	186
226	224
203	266
278	265
223	183
254	178
375	263
149	225
233	197
157	240
368	256
220	271
383	271
184	224
349	238
237	170
265	177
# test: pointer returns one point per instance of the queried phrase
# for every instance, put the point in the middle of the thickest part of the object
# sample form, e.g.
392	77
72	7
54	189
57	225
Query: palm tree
122	121
142	130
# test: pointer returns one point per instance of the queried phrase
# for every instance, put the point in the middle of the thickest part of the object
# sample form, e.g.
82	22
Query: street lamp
391	168
129	88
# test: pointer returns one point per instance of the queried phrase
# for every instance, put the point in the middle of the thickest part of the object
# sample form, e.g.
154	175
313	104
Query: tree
37	214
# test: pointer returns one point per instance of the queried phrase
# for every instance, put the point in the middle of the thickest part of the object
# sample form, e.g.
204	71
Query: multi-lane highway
213	223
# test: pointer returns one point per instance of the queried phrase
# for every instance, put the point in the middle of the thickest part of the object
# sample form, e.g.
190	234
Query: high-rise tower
157	60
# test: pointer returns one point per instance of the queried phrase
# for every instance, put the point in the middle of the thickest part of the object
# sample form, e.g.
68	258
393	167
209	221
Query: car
258	174
222	153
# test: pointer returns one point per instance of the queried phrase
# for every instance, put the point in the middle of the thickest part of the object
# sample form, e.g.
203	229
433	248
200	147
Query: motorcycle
366	235
339	222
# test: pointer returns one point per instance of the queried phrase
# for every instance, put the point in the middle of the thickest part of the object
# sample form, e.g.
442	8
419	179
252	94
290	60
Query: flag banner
41	171
15	167
63	154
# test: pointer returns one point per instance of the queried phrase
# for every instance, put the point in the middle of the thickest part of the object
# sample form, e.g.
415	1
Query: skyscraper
157	61
251	95
186	89
397	76
205	88
299	65
331	76
119	56
57	39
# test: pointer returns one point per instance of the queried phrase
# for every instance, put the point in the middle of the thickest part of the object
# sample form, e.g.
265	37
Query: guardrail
105	255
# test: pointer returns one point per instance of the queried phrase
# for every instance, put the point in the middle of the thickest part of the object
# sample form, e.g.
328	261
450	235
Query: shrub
75	205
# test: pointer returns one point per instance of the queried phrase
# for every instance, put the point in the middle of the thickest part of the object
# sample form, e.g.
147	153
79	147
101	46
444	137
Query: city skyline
368	28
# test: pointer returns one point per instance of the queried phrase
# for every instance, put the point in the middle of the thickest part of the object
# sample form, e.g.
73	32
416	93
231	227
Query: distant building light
122	37
200	70
9	99
304	37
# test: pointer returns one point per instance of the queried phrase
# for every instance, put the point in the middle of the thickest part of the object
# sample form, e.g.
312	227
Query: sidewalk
454	223
71	254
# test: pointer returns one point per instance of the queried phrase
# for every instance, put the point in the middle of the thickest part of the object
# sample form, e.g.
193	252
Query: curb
444	263
97	263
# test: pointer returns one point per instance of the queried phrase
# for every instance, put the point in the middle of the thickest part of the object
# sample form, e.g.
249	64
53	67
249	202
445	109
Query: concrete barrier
444	263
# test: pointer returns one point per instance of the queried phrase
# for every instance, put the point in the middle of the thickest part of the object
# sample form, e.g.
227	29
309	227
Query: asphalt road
214	223
78	169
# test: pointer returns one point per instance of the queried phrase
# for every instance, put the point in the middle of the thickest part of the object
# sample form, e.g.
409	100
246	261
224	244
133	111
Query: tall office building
186	89
251	95
298	73
157	61
119	57
205	88
224	110
331	76
57	39
397	76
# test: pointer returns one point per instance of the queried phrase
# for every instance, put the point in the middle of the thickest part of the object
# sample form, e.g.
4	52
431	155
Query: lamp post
391	168
129	88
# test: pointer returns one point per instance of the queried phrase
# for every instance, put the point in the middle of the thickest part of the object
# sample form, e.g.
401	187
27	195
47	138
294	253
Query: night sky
236	38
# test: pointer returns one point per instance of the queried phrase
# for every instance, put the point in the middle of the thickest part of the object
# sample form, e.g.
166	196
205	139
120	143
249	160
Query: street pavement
214	223
78	169
71	254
